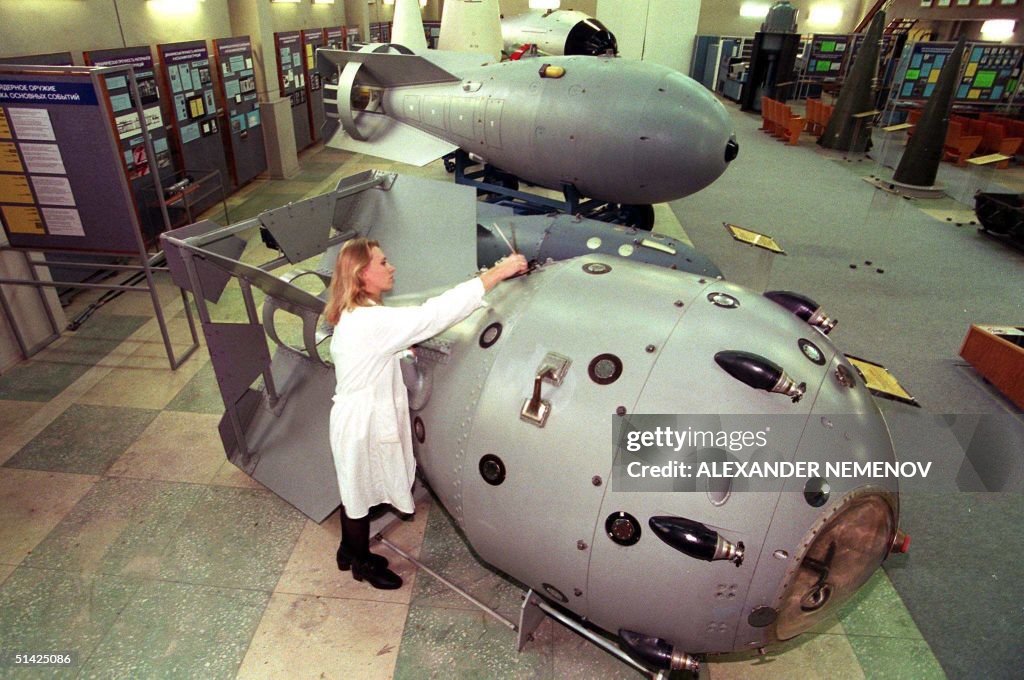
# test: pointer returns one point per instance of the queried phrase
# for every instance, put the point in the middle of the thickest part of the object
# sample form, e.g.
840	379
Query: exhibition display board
240	102
334	37
991	74
885	54
380	32
291	76
188	77
137	165
312	40
826	56
432	31
920	71
62	184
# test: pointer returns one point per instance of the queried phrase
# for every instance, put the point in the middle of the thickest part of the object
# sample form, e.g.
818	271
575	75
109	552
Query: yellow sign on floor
880	381
755	239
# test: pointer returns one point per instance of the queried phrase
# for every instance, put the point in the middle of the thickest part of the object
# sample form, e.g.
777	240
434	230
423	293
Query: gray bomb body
559	236
544	523
616	129
805	549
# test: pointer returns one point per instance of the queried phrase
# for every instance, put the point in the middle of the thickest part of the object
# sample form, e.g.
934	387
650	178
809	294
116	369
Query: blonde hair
347	291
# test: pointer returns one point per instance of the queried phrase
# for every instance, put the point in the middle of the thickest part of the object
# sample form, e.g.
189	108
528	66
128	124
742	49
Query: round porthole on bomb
490	335
622	528
604	369
492	469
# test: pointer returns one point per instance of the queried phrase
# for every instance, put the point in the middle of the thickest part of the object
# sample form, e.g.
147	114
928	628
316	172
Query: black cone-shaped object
844	132
920	162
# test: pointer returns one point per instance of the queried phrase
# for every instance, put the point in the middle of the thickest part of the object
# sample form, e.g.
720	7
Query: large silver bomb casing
618	130
544	524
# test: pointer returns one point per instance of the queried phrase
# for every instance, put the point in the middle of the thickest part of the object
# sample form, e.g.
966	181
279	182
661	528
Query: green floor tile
573	656
45	611
122	526
961	580
876	609
175	630
201	394
238	538
885	658
50	372
264	200
454	643
810	655
83	439
445	550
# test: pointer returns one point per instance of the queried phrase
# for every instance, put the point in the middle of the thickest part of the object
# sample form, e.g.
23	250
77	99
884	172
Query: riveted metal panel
576	315
411	107
479	114
492	123
238	353
460	119
313	214
433	110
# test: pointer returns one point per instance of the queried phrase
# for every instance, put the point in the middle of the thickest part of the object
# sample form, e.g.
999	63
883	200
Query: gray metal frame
192	249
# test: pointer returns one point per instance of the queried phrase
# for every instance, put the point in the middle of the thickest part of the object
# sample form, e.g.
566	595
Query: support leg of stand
530	617
42	298
175	362
9	314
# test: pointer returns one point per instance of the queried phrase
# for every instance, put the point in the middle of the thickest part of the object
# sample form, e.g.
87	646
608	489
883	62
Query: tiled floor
127	538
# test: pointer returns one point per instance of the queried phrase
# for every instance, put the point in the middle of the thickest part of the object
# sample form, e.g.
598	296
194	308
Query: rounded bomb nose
693	139
732	149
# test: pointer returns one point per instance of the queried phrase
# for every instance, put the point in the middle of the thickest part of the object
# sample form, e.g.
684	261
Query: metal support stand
451	586
526	203
144	269
894	141
531	615
12	321
979	177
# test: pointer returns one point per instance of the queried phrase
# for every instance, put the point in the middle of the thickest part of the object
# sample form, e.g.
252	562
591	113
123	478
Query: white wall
661	31
510	8
44	26
722	17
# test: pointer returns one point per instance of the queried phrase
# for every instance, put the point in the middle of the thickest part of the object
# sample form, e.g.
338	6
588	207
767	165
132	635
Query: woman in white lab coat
369	429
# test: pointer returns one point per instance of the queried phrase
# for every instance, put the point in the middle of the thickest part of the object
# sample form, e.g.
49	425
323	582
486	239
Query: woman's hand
505	268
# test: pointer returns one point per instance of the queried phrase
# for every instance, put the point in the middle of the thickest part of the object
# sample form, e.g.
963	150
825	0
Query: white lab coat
370	435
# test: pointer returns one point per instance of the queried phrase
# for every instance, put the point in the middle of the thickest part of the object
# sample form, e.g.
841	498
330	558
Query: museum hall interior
646	338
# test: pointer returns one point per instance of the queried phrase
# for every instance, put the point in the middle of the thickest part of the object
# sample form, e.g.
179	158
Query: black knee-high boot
355	535
354	552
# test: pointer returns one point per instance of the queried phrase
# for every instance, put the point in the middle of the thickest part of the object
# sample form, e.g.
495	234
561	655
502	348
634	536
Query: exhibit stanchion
756	255
894	141
979	177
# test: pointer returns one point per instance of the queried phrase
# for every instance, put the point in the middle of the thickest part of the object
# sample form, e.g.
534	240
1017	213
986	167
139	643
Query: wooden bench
778	120
817	114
